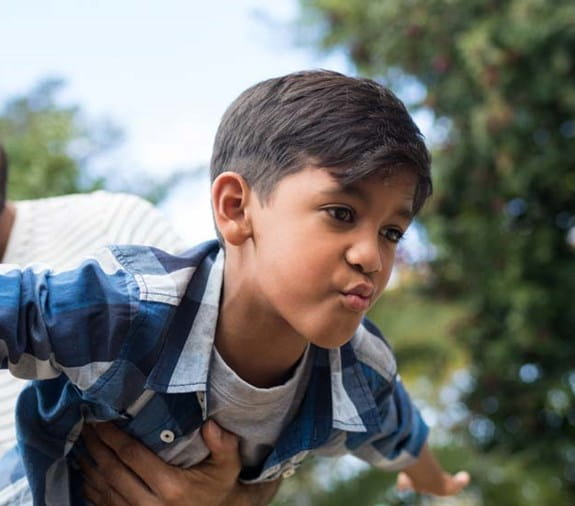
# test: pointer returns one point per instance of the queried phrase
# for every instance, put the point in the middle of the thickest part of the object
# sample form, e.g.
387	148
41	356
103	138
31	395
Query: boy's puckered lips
359	297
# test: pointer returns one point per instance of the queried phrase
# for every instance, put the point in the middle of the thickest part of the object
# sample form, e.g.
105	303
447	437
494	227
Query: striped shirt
60	231
128	336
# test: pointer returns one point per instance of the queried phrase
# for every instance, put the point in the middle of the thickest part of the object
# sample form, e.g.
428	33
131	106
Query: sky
164	71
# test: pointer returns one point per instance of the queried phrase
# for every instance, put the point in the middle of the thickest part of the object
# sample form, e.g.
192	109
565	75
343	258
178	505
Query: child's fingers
451	485
403	482
458	482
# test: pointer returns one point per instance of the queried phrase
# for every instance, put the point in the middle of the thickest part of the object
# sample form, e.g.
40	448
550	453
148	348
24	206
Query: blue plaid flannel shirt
127	336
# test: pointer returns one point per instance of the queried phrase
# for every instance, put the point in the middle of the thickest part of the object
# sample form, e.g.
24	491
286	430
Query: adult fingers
136	457
113	476
223	446
96	490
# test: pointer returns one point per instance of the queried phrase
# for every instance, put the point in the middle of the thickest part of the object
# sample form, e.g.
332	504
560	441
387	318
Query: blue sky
164	71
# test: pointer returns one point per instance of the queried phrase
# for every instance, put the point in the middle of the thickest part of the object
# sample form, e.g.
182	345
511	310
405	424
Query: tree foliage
54	149
499	78
50	145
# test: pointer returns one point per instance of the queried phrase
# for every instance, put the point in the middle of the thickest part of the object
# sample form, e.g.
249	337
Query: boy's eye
341	214
392	234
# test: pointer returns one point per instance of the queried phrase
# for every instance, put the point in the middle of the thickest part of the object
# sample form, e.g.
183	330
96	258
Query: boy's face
324	253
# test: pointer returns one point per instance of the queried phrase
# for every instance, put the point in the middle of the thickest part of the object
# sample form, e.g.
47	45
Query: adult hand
127	473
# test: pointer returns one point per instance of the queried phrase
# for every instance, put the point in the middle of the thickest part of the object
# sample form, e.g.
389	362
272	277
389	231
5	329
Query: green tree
499	80
50	146
53	149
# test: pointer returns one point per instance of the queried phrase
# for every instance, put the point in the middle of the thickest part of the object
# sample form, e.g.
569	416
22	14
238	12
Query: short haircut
3	177
354	127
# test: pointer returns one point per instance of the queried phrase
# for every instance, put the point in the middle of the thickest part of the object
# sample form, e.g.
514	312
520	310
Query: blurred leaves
54	149
50	145
499	81
421	331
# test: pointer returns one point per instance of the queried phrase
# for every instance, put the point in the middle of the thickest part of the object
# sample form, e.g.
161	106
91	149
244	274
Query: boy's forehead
405	180
387	178
336	186
332	182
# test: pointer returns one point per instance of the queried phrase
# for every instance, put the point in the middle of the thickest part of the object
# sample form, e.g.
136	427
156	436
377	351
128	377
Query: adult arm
126	473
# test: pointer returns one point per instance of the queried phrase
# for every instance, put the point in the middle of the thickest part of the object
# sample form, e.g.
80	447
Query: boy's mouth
356	302
359	297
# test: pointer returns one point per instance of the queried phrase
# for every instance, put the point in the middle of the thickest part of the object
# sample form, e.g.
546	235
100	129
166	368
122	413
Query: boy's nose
365	255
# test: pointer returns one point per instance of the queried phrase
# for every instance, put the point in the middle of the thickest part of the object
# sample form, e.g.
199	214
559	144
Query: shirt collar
353	405
184	361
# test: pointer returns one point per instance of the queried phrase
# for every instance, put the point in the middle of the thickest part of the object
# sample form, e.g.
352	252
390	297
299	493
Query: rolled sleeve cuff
405	453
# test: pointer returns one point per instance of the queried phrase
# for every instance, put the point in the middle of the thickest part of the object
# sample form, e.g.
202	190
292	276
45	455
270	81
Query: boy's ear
230	197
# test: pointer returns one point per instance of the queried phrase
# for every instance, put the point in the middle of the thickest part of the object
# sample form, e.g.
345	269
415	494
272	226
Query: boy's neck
260	366
261	349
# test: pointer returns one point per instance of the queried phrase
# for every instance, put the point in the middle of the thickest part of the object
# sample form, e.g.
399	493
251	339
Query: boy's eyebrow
355	191
406	213
349	189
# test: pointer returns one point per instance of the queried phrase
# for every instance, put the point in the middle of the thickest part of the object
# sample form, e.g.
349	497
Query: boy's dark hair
355	127
3	177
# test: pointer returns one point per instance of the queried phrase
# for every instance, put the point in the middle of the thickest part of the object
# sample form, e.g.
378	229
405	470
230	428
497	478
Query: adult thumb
223	445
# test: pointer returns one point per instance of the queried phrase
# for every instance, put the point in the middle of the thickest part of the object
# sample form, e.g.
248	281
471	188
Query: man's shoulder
103	199
99	200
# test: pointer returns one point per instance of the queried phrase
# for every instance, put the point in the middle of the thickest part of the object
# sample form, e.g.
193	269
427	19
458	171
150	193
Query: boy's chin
330	340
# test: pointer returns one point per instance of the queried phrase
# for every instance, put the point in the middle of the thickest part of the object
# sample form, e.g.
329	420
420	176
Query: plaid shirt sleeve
65	322
402	436
96	331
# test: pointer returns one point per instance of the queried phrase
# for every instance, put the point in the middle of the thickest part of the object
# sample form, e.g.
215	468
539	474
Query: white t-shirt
60	232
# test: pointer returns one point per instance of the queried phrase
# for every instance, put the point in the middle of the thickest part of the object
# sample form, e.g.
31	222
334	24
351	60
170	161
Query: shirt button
167	436
288	472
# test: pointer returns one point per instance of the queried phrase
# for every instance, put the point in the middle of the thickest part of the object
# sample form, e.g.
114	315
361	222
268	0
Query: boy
316	177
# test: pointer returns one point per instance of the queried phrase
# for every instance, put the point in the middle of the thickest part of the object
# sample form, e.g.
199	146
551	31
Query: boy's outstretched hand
127	473
426	476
